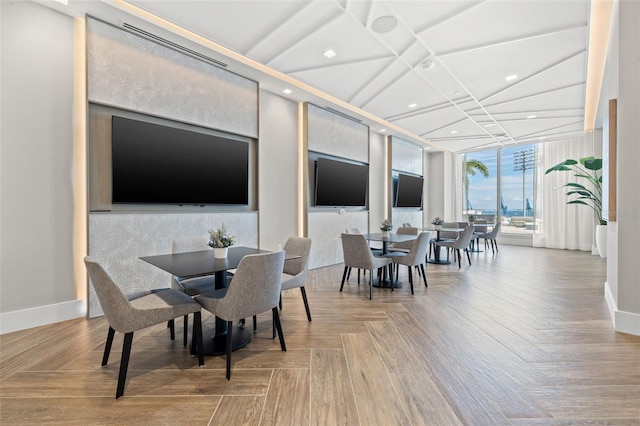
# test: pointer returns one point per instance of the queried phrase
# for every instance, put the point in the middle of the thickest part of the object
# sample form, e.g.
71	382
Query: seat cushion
198	285
158	307
292	281
210	299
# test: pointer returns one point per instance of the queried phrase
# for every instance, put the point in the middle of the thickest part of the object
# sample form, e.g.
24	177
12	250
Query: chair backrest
357	253
300	247
189	244
406	225
420	246
255	287
115	305
494	232
353	231
464	238
480	225
407	231
449	234
405	245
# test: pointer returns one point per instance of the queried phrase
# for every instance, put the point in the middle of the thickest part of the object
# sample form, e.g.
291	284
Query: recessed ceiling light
457	92
384	24
453	132
427	148
413	105
531	116
511	77
287	91
489	125
542	138
329	53
383	130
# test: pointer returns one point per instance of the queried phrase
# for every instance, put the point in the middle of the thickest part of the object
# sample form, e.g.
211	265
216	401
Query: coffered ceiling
457	74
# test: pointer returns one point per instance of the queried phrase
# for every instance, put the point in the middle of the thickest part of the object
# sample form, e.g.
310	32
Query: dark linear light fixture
177	46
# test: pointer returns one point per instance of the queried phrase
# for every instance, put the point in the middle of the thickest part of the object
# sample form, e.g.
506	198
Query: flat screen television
340	183
409	191
159	164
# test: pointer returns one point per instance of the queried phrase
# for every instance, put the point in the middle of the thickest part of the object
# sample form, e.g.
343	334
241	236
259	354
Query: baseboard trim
42	315
623	322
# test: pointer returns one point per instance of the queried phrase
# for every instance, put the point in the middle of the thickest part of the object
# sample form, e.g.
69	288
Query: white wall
36	188
622	81
278	162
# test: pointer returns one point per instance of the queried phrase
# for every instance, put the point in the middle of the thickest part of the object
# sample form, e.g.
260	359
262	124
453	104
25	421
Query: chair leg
459	256
424	275
255	323
107	346
124	363
391	275
344	276
306	302
172	329
197	337
411	278
280	303
276	320
468	257
273	326
229	331
496	243
370	285
186	330
348	273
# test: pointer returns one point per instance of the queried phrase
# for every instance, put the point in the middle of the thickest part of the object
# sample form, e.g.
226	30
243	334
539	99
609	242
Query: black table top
198	263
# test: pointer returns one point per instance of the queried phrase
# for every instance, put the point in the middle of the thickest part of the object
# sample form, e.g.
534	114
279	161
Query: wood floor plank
170	410
239	410
376	400
331	400
288	399
420	396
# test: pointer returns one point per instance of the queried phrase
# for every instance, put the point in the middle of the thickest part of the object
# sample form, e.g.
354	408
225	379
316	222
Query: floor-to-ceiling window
499	183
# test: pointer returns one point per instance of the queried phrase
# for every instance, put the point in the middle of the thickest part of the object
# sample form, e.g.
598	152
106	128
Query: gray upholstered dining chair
404	246
295	270
127	316
461	243
358	255
255	289
190	286
415	257
377	251
489	236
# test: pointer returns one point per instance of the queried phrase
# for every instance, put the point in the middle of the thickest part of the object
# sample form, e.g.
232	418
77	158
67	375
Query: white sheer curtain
559	225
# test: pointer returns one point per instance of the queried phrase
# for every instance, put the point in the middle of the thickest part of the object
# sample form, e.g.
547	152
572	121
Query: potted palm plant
589	193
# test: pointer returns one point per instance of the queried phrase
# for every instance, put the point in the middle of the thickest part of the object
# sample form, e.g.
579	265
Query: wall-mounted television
341	183
409	190
160	164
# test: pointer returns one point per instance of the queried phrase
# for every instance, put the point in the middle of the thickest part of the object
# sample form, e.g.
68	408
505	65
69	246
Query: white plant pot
601	240
220	252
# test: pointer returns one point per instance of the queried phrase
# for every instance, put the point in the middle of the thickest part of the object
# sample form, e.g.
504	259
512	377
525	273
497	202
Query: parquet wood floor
522	337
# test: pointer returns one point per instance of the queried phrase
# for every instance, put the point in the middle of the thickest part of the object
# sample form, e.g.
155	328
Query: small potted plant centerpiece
220	239
386	227
437	222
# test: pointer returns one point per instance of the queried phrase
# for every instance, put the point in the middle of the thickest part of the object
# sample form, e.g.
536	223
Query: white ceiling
462	102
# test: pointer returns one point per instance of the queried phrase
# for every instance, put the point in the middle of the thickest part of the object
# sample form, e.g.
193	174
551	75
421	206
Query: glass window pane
517	179
481	191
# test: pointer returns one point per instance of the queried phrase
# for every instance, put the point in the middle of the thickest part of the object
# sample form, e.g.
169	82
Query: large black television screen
339	183
409	191
159	164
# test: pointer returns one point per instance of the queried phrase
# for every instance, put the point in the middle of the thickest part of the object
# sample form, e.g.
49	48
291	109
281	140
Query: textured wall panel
414	217
406	157
130	72
333	134
325	229
118	240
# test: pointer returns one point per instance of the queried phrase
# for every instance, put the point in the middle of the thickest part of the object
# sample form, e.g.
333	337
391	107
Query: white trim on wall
42	315
623	322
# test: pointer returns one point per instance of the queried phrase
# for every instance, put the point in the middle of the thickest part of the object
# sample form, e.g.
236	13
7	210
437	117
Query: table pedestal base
386	283
217	344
